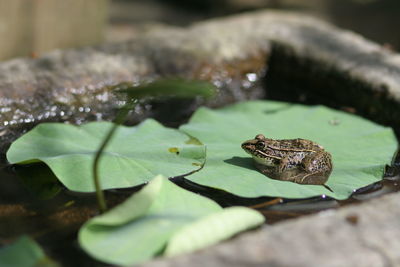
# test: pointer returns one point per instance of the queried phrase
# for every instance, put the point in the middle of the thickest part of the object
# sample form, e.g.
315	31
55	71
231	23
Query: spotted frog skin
297	160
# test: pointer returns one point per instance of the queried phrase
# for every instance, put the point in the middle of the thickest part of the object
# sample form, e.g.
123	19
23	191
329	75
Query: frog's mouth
249	146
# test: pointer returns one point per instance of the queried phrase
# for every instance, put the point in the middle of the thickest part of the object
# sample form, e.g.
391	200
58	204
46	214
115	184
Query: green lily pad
134	156
24	252
360	148
141	227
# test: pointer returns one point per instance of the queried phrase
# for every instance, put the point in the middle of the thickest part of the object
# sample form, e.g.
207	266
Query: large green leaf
134	156
142	226
360	148
24	252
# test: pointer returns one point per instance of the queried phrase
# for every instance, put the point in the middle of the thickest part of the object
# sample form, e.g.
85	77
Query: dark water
52	222
33	202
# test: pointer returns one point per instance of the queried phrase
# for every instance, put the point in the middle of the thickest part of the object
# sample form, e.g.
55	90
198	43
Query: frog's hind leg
317	178
317	168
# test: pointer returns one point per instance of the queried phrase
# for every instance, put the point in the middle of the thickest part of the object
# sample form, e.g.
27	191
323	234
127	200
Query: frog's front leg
317	168
285	170
267	170
284	164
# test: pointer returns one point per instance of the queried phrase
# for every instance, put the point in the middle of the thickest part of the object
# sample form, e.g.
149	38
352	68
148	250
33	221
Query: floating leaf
134	156
360	148
24	252
142	226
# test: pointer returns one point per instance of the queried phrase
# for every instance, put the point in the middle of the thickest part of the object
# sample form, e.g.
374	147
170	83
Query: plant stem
120	118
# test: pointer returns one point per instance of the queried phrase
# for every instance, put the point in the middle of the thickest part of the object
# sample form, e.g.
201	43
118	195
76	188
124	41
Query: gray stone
362	235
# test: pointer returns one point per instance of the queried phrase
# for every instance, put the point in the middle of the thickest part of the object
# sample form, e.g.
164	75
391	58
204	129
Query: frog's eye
260	145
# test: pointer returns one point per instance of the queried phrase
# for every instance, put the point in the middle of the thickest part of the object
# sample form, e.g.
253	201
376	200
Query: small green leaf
360	148
140	228
212	229
172	87
24	253
134	156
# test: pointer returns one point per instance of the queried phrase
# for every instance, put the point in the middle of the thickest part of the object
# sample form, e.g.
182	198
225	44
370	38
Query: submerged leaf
134	156
142	226
360	148
24	252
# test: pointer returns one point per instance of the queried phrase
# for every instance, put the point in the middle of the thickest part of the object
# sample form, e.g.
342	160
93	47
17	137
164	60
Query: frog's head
257	149
252	145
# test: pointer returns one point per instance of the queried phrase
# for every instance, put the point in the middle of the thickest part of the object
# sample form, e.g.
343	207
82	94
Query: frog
297	160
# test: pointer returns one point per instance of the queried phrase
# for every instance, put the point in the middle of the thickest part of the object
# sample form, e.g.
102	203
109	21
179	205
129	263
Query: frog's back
297	144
